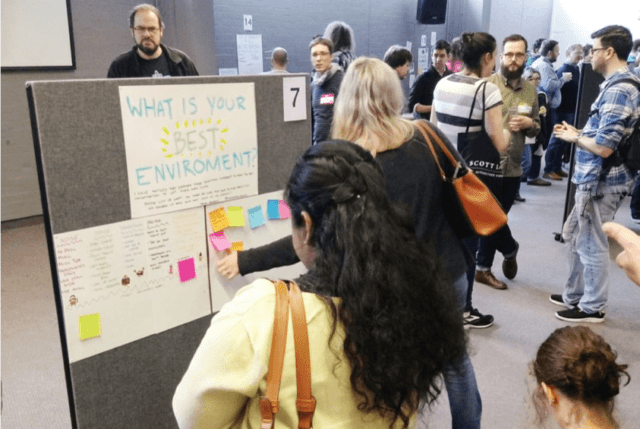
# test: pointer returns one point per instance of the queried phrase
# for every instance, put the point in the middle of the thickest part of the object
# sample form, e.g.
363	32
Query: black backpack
628	151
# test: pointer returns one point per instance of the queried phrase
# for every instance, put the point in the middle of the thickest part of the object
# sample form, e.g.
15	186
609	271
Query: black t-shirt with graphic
155	68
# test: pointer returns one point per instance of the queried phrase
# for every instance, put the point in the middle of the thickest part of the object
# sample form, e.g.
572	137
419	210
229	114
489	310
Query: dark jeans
635	200
472	244
553	157
531	162
501	240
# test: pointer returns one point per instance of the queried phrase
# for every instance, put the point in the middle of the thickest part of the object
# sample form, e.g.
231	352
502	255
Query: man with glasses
149	57
601	185
520	117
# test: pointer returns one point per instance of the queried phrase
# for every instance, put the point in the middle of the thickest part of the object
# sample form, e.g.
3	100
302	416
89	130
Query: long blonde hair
368	107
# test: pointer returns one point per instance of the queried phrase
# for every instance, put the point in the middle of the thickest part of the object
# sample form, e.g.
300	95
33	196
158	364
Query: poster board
81	152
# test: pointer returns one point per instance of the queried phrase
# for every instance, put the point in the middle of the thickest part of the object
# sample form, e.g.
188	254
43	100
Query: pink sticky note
285	212
219	241
187	270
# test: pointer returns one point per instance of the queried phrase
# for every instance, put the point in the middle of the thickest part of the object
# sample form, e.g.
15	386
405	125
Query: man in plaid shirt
599	191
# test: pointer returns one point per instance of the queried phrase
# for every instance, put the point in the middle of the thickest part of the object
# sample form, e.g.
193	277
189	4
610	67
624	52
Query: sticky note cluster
278	209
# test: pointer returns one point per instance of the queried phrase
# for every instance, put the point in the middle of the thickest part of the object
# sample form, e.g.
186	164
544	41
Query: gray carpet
34	391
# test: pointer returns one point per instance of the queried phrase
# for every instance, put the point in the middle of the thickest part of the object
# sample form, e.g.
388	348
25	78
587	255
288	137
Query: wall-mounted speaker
432	11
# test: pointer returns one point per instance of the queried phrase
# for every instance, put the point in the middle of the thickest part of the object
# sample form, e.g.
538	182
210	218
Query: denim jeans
472	245
501	240
460	379
635	199
588	282
531	162
553	157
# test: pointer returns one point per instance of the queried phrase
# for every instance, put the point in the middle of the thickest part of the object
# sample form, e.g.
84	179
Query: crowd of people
383	259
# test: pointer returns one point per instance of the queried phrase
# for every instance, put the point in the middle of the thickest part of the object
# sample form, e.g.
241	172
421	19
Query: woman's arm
279	253
493	124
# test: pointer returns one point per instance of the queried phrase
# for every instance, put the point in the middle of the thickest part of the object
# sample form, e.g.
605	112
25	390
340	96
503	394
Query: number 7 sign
294	98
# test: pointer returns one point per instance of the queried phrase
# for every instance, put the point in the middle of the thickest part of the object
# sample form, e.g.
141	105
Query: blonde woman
368	114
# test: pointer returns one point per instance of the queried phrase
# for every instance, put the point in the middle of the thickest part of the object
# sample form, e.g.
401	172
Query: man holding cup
520	119
551	84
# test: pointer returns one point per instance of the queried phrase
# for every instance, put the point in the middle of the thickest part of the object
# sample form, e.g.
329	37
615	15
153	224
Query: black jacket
128	64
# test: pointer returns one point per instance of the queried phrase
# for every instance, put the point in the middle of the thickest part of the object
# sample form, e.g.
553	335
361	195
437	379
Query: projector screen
37	35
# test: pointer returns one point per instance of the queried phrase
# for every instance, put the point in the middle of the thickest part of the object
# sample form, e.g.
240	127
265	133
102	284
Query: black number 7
295	97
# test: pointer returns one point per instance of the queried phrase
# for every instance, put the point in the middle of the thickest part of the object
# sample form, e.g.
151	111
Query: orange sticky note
219	219
89	326
237	246
236	216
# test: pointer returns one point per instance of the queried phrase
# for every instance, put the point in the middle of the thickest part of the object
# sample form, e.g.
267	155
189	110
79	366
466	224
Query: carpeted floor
34	392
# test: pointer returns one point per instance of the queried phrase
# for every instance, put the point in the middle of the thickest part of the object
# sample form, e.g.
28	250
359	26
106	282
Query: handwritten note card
219	219
256	217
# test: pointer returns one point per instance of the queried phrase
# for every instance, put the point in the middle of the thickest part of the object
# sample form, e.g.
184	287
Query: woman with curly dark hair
382	322
578	377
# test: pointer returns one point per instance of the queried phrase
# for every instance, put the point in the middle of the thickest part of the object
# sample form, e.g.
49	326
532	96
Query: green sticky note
89	326
236	216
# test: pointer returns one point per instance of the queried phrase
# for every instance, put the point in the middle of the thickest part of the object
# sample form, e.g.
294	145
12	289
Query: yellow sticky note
89	326
236	216
219	220
237	246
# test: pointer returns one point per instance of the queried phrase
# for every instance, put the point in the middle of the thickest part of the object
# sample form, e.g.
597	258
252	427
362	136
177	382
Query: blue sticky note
256	217
273	211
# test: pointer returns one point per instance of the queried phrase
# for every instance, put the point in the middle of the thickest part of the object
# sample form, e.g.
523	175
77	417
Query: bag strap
305	403
269	405
473	104
432	135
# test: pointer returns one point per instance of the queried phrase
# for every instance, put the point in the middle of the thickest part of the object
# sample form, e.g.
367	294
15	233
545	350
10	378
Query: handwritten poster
189	145
128	280
222	289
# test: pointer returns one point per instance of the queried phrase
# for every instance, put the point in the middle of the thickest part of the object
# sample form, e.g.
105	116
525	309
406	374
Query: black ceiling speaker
431	11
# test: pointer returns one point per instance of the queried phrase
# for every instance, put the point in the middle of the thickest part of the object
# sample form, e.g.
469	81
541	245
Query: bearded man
149	57
521	118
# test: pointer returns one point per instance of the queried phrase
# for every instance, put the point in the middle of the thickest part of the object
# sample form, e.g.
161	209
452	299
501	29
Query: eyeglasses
320	54
593	50
151	30
510	56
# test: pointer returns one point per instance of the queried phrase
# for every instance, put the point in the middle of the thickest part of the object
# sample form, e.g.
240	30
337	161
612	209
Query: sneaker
552	175
556	298
577	315
636	220
475	320
538	182
561	173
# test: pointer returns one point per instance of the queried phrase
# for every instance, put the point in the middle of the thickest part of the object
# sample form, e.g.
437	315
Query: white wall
573	21
529	18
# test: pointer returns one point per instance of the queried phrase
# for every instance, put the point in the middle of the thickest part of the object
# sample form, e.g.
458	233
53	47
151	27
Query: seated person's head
577	375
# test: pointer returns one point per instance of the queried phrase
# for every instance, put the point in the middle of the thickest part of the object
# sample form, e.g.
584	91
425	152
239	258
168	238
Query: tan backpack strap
306	403
269	405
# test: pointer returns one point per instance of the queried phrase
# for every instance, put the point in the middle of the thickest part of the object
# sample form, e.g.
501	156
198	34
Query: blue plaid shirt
613	117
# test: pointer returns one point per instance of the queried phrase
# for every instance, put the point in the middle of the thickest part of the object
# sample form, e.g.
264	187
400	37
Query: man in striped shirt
599	190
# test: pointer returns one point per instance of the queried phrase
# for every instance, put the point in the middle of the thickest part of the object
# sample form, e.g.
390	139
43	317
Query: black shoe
475	320
556	298
538	182
520	199
510	265
577	315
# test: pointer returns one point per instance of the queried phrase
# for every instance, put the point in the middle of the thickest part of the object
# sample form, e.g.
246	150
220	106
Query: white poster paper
423	40
128	280
423	60
294	98
433	38
249	53
189	145
222	289
408	45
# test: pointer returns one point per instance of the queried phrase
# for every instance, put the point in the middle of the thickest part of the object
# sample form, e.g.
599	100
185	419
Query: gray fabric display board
82	163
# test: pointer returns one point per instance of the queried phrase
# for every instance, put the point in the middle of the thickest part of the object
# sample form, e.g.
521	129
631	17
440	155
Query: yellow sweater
227	376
